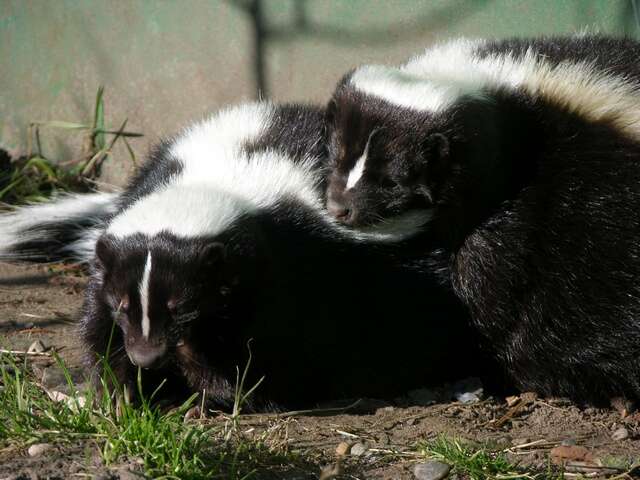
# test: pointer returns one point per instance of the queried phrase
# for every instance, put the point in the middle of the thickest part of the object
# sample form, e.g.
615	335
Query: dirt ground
37	305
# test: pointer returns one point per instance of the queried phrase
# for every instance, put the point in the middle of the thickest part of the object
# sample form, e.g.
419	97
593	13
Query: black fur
279	281
536	208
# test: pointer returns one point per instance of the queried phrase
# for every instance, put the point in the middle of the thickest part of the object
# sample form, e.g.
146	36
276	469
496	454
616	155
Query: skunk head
160	289
383	159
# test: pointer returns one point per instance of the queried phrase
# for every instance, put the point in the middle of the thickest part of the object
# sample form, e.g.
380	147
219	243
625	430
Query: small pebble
342	449
36	347
620	434
431	470
38	449
358	449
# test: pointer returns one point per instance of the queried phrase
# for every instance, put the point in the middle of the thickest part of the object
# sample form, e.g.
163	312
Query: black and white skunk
221	238
521	160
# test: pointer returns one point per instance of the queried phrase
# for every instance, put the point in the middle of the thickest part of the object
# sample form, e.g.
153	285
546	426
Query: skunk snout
147	354
338	210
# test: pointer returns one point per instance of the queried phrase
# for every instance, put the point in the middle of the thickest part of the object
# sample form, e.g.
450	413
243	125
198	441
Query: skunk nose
147	355
338	211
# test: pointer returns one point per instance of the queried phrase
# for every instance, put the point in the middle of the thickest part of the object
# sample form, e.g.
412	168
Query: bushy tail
64	228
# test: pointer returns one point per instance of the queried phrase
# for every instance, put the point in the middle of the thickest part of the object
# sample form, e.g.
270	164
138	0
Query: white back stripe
219	181
438	77
144	298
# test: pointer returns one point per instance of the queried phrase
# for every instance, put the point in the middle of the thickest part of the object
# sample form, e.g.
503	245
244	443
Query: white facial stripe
358	169
144	297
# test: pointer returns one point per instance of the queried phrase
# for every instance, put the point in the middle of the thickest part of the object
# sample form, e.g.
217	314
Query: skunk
220	244
521	160
386	123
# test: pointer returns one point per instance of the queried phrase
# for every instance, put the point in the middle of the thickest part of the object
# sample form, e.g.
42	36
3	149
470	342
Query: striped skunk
520	159
221	238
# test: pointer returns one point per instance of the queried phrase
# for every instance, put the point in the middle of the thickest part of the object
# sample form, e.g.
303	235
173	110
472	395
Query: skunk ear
212	254
105	254
437	153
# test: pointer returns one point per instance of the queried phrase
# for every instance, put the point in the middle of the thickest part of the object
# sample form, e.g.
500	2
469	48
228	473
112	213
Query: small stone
342	449
431	470
568	442
620	434
358	449
519	441
36	347
38	449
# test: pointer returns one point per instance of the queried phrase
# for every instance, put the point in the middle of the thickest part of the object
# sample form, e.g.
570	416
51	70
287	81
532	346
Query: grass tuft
160	441
479	462
35	177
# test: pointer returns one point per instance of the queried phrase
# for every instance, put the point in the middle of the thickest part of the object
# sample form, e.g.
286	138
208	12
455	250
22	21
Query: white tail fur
66	227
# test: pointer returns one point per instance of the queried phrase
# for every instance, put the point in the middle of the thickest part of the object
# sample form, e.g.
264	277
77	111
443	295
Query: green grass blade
99	140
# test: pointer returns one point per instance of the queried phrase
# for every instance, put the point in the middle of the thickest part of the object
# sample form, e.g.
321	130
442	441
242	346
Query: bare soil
38	304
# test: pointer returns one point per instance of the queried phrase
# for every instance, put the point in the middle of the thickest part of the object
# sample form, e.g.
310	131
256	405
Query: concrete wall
165	63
